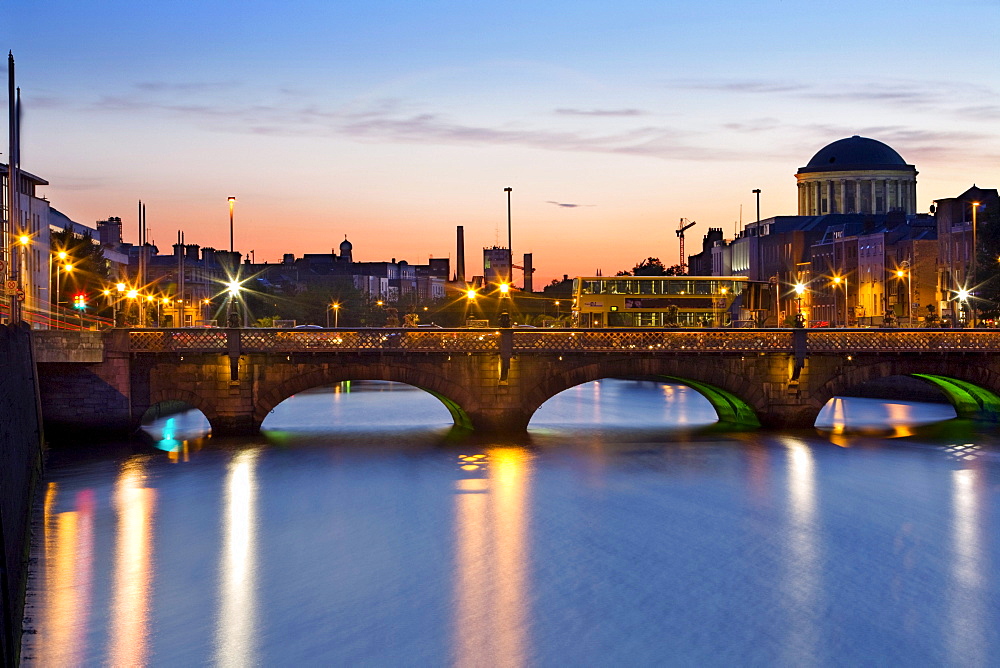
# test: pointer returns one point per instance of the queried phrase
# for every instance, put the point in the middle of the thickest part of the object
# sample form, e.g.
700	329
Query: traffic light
80	301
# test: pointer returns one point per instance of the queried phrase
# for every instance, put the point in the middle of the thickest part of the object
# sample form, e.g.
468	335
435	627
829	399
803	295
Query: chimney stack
460	261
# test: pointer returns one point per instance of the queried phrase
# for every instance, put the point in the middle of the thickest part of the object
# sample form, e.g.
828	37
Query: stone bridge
494	380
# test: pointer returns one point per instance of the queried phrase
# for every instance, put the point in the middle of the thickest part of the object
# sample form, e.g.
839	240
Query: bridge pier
234	425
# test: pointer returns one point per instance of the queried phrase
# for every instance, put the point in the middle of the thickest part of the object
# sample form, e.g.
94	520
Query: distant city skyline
393	123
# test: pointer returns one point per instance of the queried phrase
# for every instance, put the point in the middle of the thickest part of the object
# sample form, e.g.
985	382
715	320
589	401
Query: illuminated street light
232	202
906	271
800	290
504	289
470	294
975	278
335	307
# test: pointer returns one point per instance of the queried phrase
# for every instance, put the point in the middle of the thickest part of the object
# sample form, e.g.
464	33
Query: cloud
987	112
183	87
755	125
567	205
739	86
600	112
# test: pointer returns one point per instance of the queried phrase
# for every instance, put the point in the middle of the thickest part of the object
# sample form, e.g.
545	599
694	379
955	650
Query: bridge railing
561	341
900	340
283	340
623	340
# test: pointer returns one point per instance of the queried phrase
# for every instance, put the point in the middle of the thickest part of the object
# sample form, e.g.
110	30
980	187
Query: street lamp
799	291
837	281
504	290
963	296
510	249
760	269
975	279
233	288
22	282
232	202
160	302
722	305
61	257
906	270
336	315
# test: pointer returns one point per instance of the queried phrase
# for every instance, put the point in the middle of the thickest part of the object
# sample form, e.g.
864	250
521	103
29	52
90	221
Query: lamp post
232	319
837	280
107	300
510	249
906	270
799	291
760	269
67	268
335	307
22	282
160	302
61	257
119	318
133	295
232	202
975	279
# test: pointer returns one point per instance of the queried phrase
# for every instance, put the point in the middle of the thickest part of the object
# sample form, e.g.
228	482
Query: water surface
620	531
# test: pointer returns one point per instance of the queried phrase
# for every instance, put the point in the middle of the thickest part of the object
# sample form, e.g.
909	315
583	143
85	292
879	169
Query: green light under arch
731	409
970	401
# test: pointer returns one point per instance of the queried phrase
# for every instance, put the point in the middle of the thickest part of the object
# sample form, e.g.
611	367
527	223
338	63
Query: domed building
345	250
857	175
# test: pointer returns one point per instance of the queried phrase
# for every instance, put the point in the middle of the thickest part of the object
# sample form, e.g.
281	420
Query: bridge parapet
900	340
458	340
55	346
561	341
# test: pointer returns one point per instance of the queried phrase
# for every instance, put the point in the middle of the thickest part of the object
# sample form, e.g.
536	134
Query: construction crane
683	225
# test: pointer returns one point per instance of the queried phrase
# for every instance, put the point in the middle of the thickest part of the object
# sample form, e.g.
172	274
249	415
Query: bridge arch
160	395
736	397
311	376
971	389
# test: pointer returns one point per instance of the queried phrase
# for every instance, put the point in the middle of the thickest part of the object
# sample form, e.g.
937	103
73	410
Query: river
622	530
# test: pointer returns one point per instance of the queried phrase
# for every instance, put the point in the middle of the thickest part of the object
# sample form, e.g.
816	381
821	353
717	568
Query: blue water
621	531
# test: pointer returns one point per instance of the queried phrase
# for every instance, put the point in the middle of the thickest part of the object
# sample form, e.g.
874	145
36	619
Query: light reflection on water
619	542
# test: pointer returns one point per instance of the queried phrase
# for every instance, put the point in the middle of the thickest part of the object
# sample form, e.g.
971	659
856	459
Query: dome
856	153
345	245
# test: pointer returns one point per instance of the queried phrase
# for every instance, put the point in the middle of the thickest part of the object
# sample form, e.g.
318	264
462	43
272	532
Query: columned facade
857	175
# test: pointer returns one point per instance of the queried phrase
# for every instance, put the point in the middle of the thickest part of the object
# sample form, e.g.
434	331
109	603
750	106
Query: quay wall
21	450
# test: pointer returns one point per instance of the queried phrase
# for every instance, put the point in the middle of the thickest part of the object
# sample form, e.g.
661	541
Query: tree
652	266
90	273
987	277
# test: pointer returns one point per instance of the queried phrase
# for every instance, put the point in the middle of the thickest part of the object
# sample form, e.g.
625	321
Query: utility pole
13	199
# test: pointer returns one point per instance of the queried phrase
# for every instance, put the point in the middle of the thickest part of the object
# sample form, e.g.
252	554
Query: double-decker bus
668	301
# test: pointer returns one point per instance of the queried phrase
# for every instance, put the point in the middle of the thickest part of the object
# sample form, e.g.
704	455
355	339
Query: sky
394	122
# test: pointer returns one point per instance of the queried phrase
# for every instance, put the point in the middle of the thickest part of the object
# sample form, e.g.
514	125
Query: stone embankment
21	446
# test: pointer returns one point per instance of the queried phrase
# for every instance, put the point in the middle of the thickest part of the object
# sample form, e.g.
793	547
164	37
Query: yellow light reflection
966	599
492	555
134	505
237	621
801	582
62	633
